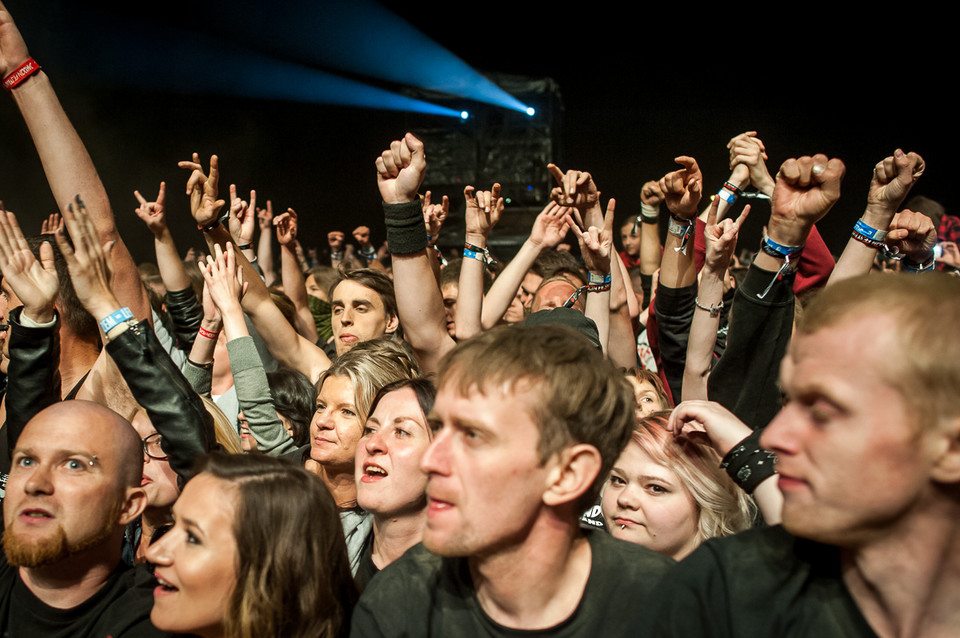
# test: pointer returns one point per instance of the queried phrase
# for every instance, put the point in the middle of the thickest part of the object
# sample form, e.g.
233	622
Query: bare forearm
857	258
469	298
172	272
283	342
703	336
420	307
295	285
265	256
506	285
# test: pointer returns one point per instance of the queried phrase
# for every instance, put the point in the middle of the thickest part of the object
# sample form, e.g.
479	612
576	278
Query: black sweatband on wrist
406	233
748	464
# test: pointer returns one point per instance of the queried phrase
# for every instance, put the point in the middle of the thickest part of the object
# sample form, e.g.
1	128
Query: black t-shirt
424	595
763	582
367	569
121	609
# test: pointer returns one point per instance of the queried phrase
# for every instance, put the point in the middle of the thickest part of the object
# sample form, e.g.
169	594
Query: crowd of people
678	439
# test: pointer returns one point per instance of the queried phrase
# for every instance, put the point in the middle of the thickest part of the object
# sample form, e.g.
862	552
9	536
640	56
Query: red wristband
209	335
20	74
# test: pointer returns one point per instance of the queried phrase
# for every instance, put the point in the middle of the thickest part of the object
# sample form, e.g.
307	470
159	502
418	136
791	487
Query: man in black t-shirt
73	487
868	450
526	420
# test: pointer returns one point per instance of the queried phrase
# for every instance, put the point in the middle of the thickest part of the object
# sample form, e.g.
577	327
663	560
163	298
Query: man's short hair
582	396
558	262
376	281
926	308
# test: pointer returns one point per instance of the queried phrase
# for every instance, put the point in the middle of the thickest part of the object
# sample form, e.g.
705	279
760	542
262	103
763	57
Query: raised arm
33	381
265	243
283	342
153	214
596	246
673	303
175	410
226	286
65	160
294	283
740	449
400	172
745	378
893	177
483	210
748	149
650	199
549	229
721	240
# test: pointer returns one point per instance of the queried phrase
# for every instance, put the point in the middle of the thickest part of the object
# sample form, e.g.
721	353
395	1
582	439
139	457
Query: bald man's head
74	483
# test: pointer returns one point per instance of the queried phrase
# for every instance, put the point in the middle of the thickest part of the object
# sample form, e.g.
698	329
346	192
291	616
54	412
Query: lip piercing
623	527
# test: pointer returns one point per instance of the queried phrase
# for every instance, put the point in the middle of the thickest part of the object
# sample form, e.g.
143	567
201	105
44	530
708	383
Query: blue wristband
471	254
869	231
114	319
597	279
774	249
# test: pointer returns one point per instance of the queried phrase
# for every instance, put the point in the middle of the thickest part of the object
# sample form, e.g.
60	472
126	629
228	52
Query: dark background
640	85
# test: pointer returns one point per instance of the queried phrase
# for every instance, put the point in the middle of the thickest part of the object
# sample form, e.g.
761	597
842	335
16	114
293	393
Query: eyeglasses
153	447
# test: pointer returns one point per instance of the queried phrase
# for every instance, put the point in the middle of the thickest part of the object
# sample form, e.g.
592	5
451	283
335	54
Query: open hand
35	283
88	261
551	225
51	224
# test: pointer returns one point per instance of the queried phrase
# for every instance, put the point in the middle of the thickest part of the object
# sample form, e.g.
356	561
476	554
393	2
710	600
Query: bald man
74	485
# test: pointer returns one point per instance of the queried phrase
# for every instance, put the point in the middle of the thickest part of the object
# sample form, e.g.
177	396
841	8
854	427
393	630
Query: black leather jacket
33	379
157	384
175	410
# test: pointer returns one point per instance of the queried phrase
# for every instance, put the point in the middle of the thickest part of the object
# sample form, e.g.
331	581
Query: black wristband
406	233
748	464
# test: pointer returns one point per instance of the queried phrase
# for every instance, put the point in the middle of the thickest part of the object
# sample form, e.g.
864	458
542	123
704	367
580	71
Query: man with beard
74	485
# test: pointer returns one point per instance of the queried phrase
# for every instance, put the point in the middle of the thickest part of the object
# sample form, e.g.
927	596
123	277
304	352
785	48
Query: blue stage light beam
359	36
178	61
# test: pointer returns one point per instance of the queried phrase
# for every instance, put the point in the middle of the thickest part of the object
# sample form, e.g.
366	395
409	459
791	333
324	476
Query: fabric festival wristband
406	233
487	259
863	239
681	228
20	74
774	249
472	254
727	196
598	279
115	318
733	189
209	334
869	231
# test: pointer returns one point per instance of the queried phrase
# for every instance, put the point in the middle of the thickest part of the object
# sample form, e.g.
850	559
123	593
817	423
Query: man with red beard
74	485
